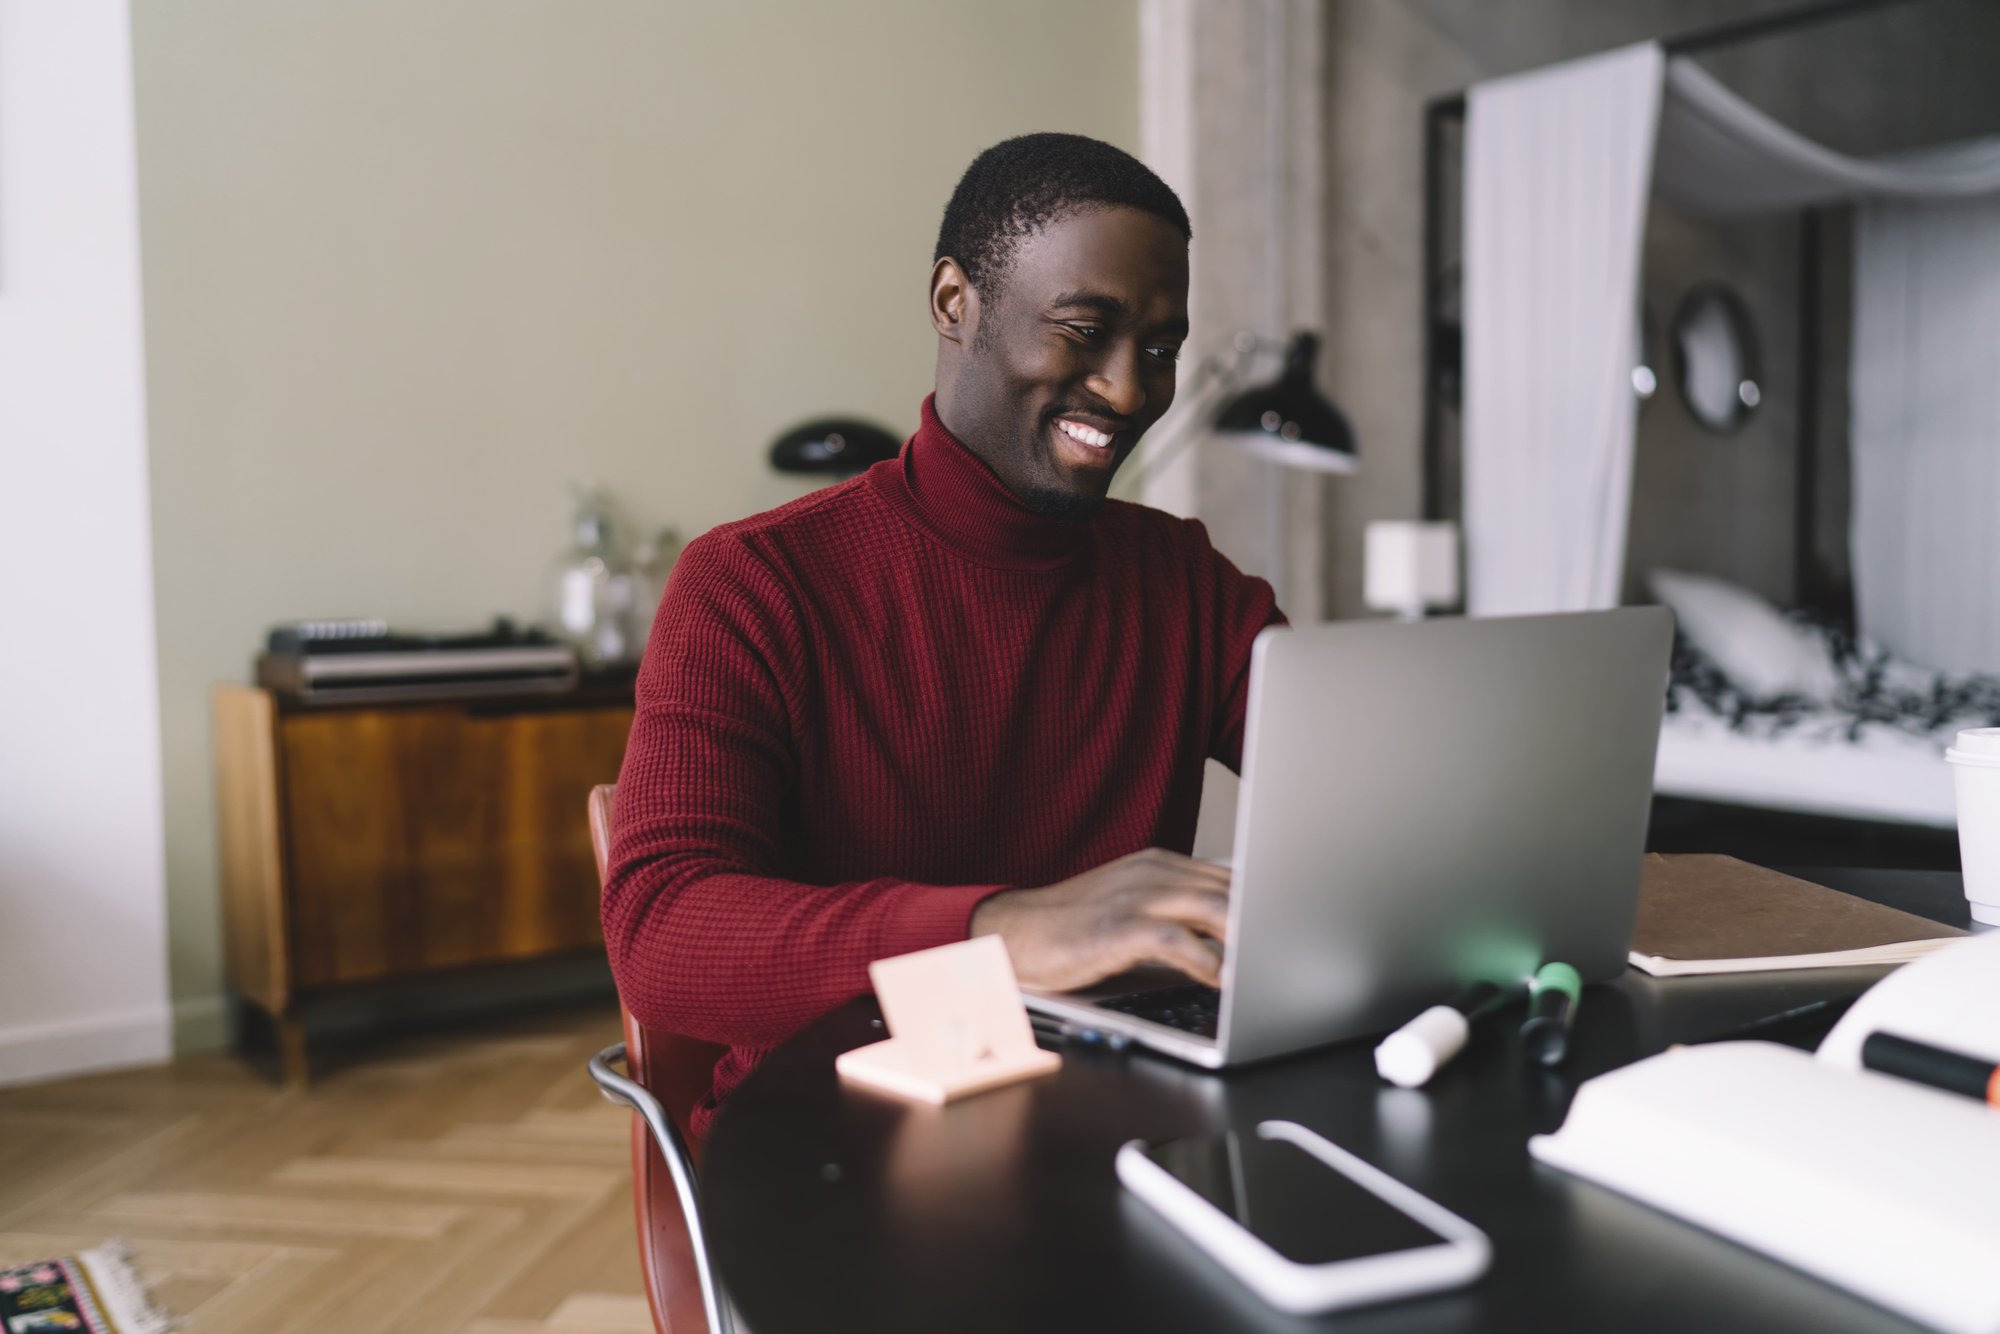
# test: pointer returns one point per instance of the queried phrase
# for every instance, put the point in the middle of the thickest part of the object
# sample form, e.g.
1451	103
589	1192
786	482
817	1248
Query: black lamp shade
833	445
1289	421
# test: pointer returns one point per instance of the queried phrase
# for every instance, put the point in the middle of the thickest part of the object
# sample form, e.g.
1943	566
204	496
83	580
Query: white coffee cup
1975	765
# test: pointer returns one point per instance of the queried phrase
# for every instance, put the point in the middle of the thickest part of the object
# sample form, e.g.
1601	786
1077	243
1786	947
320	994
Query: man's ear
954	304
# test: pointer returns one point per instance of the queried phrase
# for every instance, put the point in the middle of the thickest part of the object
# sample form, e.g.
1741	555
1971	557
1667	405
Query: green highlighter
1551	1010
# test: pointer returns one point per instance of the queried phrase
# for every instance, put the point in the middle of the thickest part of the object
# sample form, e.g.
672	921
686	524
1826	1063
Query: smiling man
963	693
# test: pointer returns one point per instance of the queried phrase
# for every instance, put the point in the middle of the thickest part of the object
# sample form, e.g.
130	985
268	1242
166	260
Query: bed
1781	712
1882	775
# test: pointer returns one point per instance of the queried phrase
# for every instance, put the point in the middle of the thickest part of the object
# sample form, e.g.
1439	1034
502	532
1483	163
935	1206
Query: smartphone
1302	1222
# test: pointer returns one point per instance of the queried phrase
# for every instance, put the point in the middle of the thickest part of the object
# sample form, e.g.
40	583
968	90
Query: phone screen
1291	1201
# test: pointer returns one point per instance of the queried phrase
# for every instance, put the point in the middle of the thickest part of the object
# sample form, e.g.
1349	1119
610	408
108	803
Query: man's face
1071	358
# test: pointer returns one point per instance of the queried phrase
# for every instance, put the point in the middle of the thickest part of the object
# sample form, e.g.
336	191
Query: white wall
83	978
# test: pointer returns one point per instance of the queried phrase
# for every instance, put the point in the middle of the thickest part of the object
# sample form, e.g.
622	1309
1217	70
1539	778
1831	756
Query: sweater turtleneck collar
951	493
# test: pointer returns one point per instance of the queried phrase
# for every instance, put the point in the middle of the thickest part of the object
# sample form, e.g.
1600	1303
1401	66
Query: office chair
668	1074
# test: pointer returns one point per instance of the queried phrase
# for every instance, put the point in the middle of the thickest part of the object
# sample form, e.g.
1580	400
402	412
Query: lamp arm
1213	377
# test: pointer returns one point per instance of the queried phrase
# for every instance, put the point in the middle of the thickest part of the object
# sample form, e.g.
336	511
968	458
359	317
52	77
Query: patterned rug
93	1292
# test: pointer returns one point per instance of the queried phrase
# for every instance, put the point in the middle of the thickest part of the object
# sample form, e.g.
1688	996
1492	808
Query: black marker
1551	1010
1921	1063
1061	1032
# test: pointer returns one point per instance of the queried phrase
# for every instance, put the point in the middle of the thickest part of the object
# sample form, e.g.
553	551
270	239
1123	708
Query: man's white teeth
1082	434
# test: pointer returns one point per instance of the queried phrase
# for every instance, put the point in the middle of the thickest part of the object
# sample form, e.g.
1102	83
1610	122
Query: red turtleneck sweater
865	711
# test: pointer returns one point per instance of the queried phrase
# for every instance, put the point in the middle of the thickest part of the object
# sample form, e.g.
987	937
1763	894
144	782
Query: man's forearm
725	955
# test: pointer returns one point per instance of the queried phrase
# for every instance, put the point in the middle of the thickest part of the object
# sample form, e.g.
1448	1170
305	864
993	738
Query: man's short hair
1017	187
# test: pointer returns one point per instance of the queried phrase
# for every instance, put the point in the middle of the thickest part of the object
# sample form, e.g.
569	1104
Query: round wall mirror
1715	358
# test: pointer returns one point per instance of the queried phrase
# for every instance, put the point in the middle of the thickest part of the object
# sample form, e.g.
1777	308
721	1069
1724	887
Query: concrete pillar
1231	97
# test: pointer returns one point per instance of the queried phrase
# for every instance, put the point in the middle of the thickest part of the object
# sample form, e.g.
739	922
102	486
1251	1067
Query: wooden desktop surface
835	1209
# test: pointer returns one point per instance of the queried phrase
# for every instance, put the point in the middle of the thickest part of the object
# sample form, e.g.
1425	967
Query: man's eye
1165	353
1090	331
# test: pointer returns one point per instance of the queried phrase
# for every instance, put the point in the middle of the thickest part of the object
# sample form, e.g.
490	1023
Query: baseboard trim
30	1053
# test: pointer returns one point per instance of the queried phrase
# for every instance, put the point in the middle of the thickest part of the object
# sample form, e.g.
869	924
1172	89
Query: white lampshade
1411	566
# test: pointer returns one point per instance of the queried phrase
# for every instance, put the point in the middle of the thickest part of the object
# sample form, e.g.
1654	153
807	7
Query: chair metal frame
673	1148
666	1136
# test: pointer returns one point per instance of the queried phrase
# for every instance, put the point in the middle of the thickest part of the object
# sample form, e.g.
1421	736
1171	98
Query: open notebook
1883	1187
1710	914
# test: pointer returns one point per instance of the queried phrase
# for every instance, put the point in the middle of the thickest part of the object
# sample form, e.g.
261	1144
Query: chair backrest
678	1070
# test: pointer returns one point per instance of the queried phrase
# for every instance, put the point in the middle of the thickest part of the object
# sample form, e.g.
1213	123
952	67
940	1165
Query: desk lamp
837	445
1289	421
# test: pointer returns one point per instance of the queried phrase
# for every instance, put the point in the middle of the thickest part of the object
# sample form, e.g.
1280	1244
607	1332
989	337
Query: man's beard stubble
1062	506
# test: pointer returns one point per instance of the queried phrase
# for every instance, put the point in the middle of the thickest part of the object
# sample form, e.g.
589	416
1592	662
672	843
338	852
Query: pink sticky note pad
956	1025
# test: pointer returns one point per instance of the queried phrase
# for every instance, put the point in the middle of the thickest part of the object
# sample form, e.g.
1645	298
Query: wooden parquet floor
470	1182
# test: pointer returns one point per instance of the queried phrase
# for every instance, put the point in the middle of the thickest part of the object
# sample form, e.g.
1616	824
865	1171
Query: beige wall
412	264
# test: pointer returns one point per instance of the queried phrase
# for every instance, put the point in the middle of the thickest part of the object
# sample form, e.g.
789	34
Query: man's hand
1151	907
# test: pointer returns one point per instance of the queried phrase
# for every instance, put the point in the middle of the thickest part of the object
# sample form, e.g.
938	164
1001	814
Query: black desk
835	1209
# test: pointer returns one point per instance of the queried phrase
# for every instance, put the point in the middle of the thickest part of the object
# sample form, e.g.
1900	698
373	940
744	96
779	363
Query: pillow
1763	654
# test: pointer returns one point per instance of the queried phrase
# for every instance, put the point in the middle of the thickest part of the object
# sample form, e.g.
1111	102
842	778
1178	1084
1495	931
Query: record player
364	661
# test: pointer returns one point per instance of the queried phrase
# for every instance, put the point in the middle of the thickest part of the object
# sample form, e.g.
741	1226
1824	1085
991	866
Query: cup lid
1980	741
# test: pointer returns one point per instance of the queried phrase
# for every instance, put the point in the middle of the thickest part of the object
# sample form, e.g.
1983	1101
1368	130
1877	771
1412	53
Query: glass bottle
652	560
593	587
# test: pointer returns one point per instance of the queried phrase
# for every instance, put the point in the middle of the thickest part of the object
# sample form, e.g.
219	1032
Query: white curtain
1926	430
1558	164
1719	154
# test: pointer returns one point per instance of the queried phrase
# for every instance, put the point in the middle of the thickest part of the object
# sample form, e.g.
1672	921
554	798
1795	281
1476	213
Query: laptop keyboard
1192	1008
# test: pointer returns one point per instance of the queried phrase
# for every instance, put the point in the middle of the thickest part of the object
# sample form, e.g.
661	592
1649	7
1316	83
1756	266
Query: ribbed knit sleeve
706	935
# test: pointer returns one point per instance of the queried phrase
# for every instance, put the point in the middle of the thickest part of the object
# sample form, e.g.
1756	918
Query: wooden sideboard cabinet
369	843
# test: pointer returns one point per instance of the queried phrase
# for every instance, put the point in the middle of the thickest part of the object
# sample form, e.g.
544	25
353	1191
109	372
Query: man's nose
1116	381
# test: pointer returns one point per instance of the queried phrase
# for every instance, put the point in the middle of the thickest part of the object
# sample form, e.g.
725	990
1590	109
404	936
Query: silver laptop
1422	806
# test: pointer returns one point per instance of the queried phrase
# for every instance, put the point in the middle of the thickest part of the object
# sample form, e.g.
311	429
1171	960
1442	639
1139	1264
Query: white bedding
1787	712
1885	774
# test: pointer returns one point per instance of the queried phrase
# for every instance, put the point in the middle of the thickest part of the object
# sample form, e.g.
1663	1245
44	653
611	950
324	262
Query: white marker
1413	1053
